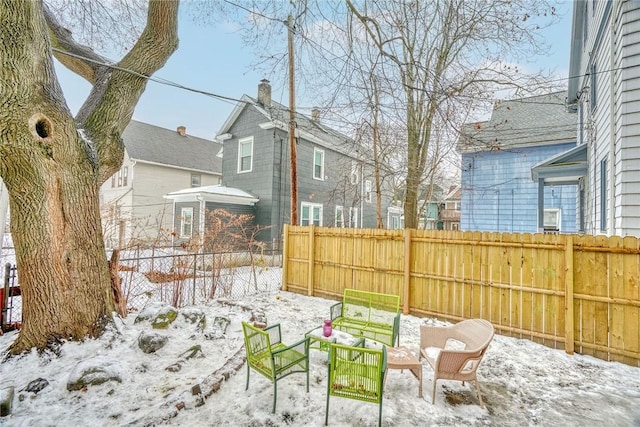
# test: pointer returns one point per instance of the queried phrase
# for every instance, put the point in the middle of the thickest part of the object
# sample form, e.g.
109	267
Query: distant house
192	208
450	214
497	156
604	91
335	179
157	161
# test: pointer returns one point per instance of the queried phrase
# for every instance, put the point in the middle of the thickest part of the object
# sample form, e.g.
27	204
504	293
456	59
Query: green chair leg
275	395
248	370
326	413
380	415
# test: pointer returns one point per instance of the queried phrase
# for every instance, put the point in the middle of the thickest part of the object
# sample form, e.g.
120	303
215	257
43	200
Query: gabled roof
455	193
277	115
214	193
563	168
152	144
532	121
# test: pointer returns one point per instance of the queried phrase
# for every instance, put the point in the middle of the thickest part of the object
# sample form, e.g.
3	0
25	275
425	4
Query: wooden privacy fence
577	292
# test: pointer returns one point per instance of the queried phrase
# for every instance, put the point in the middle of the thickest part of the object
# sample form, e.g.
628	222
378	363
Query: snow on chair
356	373
454	352
267	355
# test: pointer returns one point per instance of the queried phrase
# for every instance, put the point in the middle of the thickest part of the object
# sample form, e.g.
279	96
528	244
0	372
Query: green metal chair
267	355
356	373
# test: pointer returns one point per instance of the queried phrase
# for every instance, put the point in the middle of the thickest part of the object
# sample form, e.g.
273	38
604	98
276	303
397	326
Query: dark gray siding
178	217
260	180
269	179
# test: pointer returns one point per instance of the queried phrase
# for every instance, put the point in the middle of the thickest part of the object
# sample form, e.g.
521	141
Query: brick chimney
315	114
182	130
264	93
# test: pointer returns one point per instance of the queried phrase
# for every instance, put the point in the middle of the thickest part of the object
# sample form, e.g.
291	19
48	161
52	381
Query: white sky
523	383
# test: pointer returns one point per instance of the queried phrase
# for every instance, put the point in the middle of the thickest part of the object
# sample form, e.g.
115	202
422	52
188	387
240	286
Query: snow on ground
523	383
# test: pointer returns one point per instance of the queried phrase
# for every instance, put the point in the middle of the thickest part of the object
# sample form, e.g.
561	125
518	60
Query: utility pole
292	127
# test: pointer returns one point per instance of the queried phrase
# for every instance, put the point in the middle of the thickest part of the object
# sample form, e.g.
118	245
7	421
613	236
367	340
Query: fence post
568	295
195	272
407	270
311	260
285	252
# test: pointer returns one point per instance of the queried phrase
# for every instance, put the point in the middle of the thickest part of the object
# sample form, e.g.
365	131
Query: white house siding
612	129
116	207
151	211
628	194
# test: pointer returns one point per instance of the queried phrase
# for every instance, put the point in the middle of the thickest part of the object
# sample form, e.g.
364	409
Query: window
245	155
603	195
354	172
457	206
125	175
195	180
395	222
339	221
186	222
592	89
311	214
318	164
120	178
353	217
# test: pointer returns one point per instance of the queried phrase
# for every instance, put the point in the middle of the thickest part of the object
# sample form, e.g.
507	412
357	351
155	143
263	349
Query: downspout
201	217
612	127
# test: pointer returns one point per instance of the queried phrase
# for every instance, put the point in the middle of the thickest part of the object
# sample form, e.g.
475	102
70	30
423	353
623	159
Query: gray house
157	161
335	180
501	159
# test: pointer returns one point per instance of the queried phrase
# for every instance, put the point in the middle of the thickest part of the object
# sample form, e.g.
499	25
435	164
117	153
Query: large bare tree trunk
54	165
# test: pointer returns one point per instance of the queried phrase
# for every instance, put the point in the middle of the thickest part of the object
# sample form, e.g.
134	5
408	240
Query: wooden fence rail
580	293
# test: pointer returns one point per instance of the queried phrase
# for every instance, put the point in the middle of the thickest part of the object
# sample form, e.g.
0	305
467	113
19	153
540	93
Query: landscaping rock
150	341
195	316
36	385
93	372
193	352
6	399
220	325
160	314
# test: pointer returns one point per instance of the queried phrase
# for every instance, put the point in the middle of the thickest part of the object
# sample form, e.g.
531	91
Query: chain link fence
182	279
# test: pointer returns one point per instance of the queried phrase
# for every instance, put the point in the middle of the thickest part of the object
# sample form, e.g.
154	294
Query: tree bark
53	166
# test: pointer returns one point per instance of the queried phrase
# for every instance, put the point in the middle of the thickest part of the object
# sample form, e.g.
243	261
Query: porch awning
563	168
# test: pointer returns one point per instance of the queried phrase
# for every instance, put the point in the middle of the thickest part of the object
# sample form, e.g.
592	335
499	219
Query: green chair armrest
336	311
275	337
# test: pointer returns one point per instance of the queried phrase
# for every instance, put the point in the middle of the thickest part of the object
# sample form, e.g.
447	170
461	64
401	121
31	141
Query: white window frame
339	217
312	208
354	173
241	143
125	176
317	151
186	221
198	177
353	217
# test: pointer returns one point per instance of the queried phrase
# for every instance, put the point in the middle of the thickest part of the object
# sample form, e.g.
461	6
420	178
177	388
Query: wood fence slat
631	280
582	292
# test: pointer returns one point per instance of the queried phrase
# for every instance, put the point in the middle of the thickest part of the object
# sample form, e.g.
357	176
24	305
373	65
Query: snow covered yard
523	383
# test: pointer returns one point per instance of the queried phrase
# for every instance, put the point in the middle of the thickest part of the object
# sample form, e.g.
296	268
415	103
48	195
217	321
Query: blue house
498	155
